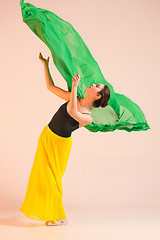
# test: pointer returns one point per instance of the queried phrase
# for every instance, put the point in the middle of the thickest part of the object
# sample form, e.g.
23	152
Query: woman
44	194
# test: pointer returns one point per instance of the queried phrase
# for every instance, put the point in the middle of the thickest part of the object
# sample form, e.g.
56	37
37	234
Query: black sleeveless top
62	123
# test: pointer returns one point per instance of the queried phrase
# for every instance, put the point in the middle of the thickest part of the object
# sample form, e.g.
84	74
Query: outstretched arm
49	81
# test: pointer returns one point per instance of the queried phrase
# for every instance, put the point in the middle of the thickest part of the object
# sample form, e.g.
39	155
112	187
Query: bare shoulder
78	99
83	119
87	117
79	104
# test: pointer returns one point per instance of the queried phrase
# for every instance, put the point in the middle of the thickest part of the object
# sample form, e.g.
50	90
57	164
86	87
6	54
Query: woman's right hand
42	59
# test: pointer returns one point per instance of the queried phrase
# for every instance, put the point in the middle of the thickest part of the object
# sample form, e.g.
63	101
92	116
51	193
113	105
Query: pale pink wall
113	170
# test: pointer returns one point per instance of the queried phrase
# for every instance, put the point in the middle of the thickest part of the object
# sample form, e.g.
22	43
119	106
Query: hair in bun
103	101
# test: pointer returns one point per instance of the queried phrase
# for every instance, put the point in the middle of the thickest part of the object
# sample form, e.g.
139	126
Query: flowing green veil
71	55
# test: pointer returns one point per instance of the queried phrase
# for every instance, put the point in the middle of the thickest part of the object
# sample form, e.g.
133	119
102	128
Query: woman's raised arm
49	81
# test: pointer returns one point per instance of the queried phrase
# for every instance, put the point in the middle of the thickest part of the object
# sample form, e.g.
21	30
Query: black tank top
62	123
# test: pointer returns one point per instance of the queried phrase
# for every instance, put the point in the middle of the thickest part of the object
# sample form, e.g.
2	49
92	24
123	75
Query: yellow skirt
44	194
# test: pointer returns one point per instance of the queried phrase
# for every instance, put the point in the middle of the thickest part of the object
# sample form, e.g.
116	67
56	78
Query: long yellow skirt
44	194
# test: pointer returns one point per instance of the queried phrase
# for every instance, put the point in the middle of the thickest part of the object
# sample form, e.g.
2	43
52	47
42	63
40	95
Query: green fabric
71	55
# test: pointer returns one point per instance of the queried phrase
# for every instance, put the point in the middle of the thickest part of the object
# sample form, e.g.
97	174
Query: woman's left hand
75	80
42	59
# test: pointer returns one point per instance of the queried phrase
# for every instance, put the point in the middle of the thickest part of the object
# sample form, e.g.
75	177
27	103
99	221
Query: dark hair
103	101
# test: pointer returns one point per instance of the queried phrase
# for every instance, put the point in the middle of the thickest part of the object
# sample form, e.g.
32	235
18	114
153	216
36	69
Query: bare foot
58	222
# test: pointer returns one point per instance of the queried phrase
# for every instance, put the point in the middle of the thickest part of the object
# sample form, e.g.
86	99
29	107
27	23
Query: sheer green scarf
71	55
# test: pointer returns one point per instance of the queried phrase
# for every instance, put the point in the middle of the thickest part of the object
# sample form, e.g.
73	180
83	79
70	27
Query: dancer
44	195
90	102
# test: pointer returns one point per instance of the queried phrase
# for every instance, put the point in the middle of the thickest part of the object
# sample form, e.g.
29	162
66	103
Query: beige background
114	170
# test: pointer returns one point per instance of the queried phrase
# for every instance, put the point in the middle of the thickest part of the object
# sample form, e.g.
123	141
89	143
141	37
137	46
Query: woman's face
94	88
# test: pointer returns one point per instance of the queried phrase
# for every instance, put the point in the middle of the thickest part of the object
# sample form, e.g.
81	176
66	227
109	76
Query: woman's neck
86	102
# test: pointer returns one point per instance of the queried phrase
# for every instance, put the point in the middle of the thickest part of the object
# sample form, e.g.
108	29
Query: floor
84	223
